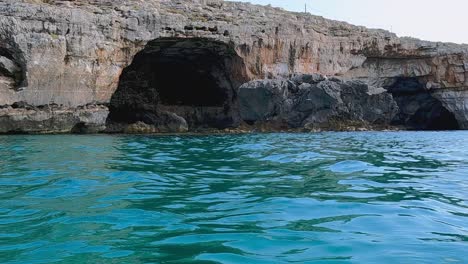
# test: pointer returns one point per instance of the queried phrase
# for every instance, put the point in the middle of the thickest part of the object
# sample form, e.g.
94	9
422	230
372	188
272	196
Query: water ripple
262	198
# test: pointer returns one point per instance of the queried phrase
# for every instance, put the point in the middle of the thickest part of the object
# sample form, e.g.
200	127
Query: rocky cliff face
178	64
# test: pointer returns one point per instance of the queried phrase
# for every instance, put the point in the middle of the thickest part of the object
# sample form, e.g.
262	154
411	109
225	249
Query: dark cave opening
11	70
195	79
437	117
419	110
187	84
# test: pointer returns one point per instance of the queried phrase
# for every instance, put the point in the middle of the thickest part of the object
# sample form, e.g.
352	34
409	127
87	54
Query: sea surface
377	197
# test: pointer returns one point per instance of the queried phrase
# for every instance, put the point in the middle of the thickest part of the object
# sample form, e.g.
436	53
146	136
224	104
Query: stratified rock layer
53	119
73	53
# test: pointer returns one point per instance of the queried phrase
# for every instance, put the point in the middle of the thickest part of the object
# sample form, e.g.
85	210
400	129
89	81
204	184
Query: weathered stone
140	128
368	104
8	67
308	78
324	95
164	123
323	105
73	53
263	99
53	120
171	123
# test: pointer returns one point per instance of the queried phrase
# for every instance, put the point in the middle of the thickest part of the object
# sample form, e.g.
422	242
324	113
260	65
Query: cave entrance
12	74
419	110
194	79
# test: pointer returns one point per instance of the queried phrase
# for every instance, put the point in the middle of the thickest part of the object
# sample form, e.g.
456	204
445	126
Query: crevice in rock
419	110
178	79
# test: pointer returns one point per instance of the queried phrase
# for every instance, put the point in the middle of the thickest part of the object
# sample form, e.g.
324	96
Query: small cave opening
12	67
194	80
419	110
79	128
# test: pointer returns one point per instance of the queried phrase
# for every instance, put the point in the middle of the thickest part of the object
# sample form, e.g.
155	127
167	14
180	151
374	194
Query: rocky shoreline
22	118
191	66
303	103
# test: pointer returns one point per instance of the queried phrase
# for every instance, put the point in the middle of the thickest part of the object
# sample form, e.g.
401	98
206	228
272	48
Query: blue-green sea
370	197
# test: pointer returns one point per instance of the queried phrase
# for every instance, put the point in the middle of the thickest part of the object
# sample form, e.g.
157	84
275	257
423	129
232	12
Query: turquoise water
266	198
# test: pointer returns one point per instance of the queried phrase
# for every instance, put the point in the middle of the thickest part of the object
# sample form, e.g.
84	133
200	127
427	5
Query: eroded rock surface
75	53
316	103
23	118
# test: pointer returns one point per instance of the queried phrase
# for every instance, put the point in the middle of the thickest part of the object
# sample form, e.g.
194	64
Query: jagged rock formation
316	103
79	53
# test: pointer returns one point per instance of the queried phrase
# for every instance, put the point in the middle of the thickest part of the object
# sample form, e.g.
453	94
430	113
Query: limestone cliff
154	60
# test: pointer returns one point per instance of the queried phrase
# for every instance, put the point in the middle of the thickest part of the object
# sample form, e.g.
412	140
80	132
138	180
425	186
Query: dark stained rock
264	99
327	104
308	78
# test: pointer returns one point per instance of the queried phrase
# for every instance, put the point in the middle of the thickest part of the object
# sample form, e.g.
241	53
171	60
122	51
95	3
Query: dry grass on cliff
49	1
38	1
